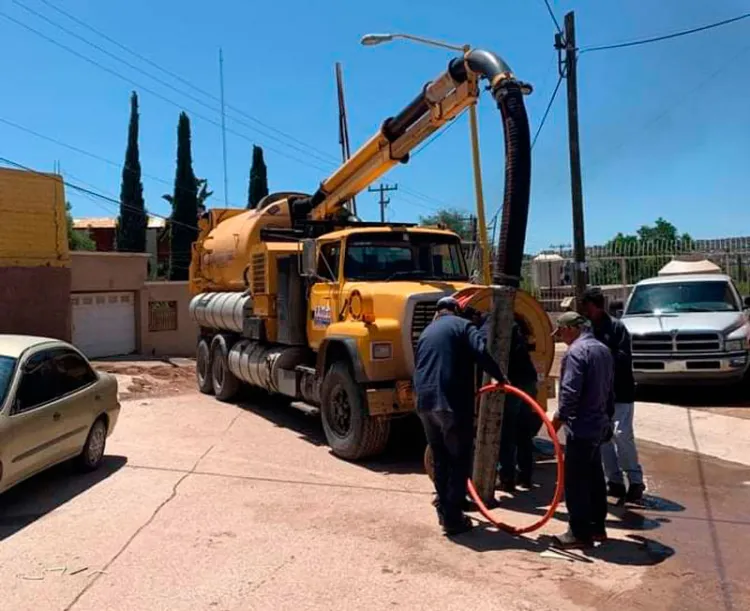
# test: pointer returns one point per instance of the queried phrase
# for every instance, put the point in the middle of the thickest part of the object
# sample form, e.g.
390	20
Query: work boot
506	484
569	541
524	481
616	490
635	493
598	534
457	526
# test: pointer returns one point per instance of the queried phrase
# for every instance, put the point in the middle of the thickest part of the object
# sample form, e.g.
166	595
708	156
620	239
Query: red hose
560	466
463	300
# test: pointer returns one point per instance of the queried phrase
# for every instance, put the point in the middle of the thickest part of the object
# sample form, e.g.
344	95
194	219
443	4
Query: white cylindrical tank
223	311
259	365
546	270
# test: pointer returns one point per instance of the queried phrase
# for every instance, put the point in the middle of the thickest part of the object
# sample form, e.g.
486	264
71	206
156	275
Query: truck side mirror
309	262
747	302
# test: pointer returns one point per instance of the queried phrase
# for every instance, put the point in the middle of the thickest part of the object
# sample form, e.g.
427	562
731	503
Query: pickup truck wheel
225	384
203	368
350	431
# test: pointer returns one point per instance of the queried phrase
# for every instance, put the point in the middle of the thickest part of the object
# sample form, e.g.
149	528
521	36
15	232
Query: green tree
77	239
183	224
644	253
454	219
203	194
258	187
132	222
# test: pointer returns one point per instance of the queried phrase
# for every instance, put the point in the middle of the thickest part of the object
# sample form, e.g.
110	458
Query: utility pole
223	127
344	128
384	201
566	42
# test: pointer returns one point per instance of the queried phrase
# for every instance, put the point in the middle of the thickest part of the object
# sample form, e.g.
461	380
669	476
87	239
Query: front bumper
720	368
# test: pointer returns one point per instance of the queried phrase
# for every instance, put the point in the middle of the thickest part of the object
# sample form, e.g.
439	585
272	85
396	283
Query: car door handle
56	416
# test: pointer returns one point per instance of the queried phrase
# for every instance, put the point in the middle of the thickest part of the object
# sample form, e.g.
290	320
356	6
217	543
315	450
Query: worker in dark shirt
585	408
620	455
444	361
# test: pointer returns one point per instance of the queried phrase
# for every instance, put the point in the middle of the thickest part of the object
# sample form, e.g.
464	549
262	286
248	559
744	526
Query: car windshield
403	255
7	366
676	297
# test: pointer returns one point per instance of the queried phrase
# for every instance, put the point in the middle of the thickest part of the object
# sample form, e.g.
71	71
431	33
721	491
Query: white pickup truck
688	328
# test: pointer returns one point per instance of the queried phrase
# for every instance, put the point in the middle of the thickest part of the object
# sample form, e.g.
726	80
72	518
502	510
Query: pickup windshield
676	297
403	255
7	366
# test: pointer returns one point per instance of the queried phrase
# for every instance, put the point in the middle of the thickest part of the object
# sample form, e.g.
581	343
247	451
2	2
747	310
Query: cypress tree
132	222
258	179
184	219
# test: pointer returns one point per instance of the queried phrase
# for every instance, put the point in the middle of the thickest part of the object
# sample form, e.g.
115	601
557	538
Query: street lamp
370	40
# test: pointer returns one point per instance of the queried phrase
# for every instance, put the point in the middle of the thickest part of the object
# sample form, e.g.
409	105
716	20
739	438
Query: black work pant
585	487
451	440
520	425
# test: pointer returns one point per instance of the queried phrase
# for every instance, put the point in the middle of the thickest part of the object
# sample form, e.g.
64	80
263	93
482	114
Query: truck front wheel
350	431
225	384
203	368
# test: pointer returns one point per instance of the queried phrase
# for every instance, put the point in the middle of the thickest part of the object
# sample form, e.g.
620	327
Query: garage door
104	323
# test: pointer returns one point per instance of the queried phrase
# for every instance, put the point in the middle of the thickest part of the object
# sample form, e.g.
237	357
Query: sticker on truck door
321	316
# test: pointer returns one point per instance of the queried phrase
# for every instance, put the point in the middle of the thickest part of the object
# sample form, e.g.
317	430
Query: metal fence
617	267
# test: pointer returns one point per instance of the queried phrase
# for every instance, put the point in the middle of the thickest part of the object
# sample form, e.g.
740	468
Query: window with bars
162	315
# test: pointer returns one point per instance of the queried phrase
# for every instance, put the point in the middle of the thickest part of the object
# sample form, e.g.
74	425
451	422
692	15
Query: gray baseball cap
569	320
448	303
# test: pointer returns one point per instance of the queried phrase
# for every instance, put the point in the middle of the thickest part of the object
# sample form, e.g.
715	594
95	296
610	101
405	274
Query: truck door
325	293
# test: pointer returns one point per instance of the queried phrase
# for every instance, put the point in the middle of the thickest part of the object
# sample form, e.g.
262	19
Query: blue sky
665	128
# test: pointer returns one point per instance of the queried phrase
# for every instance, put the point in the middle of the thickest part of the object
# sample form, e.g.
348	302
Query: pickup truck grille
424	312
681	342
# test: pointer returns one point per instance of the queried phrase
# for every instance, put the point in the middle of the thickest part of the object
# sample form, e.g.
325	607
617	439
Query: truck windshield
7	366
403	255
675	297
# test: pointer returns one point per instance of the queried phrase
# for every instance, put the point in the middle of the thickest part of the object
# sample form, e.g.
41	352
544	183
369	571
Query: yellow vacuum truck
302	299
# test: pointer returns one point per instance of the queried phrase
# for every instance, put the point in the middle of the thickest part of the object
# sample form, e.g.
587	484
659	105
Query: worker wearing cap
620	455
585	408
444	360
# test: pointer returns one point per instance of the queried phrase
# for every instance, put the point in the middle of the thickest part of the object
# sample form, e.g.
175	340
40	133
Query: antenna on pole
344	127
223	127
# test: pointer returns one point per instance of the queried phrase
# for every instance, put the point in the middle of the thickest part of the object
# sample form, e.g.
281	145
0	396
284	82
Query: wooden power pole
384	201
567	44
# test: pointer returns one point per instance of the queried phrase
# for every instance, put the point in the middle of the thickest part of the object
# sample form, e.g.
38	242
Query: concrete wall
108	271
35	301
180	342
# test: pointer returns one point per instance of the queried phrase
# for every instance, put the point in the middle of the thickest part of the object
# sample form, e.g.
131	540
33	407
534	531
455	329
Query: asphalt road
201	505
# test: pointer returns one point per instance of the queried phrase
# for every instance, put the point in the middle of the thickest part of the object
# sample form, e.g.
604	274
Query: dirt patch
138	380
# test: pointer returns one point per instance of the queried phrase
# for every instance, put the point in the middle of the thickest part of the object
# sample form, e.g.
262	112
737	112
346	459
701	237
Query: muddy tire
225	384
350	431
203	368
93	450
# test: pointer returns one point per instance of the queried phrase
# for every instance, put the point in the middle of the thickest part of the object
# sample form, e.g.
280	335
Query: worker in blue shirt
585	409
444	360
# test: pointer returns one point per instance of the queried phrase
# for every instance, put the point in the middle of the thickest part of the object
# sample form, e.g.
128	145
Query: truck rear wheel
225	384
350	431
203	368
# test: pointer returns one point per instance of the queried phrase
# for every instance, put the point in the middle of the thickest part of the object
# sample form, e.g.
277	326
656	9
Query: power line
151	91
435	137
178	77
546	112
643	41
549	10
436	202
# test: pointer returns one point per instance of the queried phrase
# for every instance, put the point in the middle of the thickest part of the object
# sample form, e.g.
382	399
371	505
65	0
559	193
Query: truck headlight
734	345
381	351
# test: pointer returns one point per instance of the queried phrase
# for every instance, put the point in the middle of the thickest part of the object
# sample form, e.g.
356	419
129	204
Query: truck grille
681	342
424	311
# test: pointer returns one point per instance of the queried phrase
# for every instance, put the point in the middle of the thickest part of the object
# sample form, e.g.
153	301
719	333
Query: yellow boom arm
441	101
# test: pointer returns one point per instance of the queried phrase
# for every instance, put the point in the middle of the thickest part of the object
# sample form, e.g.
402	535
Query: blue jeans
620	456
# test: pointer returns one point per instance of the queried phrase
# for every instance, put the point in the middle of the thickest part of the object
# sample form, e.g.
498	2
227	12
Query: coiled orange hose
559	487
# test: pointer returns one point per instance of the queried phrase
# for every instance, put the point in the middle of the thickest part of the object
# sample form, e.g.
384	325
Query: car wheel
350	431
93	451
225	384
203	368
